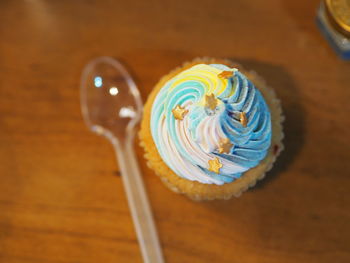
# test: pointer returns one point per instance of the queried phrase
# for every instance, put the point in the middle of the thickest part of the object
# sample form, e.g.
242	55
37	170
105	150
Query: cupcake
210	129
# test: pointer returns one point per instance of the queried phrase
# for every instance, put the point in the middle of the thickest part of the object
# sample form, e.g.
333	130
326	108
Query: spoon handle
138	202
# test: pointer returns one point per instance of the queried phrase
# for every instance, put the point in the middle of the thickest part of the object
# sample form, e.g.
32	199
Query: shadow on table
294	125
246	209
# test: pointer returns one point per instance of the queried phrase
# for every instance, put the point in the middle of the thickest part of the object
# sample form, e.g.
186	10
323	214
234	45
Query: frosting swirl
224	120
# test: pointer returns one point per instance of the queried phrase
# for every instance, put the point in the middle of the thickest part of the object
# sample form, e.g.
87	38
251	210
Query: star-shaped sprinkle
214	165
179	112
211	101
225	74
225	146
243	119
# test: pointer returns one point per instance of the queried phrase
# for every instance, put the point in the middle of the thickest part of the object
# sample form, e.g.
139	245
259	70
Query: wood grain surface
61	197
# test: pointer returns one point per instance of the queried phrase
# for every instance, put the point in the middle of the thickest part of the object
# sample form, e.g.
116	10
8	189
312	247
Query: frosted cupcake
211	130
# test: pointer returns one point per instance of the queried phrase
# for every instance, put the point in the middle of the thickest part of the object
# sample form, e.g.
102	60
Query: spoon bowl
111	103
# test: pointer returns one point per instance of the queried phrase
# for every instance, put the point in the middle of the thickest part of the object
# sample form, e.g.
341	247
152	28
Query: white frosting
209	136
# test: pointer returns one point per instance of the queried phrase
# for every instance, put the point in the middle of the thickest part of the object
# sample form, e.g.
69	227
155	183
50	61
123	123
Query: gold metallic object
179	112
211	101
338	13
225	146
214	165
243	119
225	74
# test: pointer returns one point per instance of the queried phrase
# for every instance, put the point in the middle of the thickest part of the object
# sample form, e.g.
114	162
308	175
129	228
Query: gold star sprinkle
243	119
225	74
214	165
225	146
179	112
210	101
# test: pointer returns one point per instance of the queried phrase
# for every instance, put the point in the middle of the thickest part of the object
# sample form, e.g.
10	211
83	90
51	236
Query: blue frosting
250	143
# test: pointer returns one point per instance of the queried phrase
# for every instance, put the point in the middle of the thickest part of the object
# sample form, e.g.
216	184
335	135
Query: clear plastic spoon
111	106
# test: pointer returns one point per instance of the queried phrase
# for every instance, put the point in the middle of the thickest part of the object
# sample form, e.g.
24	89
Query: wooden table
61	199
